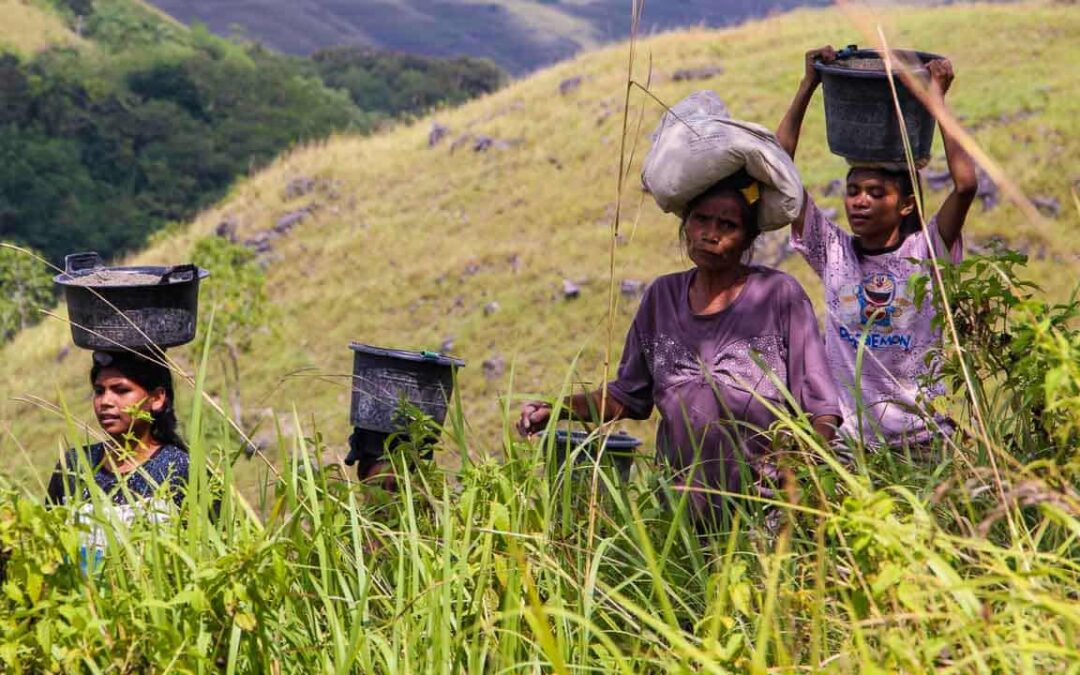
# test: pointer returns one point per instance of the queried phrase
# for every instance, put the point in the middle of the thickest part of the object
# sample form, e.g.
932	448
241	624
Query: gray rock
291	220
833	188
570	290
631	288
298	187
494	367
460	141
483	143
447	344
437	133
227	229
937	180
700	73
570	84
1048	206
491	308
987	191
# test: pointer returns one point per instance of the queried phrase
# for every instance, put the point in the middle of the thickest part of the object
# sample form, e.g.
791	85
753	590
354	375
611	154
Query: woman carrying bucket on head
714	347
868	297
144	464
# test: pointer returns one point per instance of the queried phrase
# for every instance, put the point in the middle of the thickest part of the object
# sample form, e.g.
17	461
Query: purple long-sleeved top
700	372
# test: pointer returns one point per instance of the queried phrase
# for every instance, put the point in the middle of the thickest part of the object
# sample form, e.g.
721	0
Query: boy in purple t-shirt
868	297
704	349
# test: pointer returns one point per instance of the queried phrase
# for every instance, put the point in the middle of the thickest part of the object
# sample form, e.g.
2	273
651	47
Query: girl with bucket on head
145	461
704	348
868	297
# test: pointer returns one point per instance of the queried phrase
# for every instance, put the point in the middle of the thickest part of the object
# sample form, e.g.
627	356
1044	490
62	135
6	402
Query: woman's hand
824	54
941	75
534	417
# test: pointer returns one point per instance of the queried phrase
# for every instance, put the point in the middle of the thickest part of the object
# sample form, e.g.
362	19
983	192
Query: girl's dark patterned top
167	466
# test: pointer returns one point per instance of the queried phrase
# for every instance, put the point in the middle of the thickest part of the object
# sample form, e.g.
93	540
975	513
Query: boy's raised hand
941	75
824	54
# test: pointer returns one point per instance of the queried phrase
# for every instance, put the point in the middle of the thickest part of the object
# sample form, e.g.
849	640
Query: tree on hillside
26	287
396	83
235	295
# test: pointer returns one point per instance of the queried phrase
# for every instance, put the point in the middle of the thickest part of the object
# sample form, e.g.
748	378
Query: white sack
697	144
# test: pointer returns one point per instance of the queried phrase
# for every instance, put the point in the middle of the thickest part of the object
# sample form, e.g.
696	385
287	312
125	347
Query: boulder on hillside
570	84
988	191
299	187
631	288
437	133
570	290
699	73
833	188
493	367
1048	206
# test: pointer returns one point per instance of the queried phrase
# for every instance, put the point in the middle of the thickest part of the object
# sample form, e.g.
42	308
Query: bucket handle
78	262
847	52
179	274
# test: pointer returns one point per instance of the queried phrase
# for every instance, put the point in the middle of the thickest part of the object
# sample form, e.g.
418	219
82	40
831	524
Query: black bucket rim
831	69
620	440
67	279
408	355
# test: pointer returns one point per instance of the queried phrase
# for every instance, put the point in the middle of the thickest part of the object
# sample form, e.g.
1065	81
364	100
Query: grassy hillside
520	35
29	26
406	245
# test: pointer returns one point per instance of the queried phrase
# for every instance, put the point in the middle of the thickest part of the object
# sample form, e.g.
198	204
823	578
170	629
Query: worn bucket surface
860	115
132	307
384	378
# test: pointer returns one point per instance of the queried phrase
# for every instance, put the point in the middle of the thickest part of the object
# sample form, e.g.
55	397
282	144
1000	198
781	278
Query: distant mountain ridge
519	35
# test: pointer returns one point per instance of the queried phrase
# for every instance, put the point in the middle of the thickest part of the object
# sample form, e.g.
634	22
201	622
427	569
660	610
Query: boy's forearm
961	165
788	131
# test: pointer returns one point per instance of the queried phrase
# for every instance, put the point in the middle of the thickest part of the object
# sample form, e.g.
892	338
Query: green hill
401	244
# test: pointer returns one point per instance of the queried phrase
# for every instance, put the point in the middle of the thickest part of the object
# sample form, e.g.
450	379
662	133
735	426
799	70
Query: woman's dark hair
144	370
902	180
732	185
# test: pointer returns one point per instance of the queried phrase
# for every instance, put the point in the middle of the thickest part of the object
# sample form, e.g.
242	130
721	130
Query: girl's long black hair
144	370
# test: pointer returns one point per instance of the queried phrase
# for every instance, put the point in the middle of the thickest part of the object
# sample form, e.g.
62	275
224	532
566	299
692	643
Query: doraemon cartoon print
876	311
876	295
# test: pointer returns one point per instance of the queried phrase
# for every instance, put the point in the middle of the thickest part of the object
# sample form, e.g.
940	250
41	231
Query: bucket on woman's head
860	115
384	379
113	308
619	447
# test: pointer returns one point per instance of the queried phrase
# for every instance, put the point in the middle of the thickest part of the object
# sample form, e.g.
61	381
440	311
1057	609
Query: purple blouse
704	374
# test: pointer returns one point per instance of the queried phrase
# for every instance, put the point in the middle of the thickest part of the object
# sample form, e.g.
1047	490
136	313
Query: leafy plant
1021	349
26	287
236	301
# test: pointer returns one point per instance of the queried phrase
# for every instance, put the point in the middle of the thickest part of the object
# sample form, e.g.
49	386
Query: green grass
29	26
385	257
491	569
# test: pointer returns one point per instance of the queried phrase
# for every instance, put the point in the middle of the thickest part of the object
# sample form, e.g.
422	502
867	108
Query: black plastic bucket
138	307
860	116
618	447
383	378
